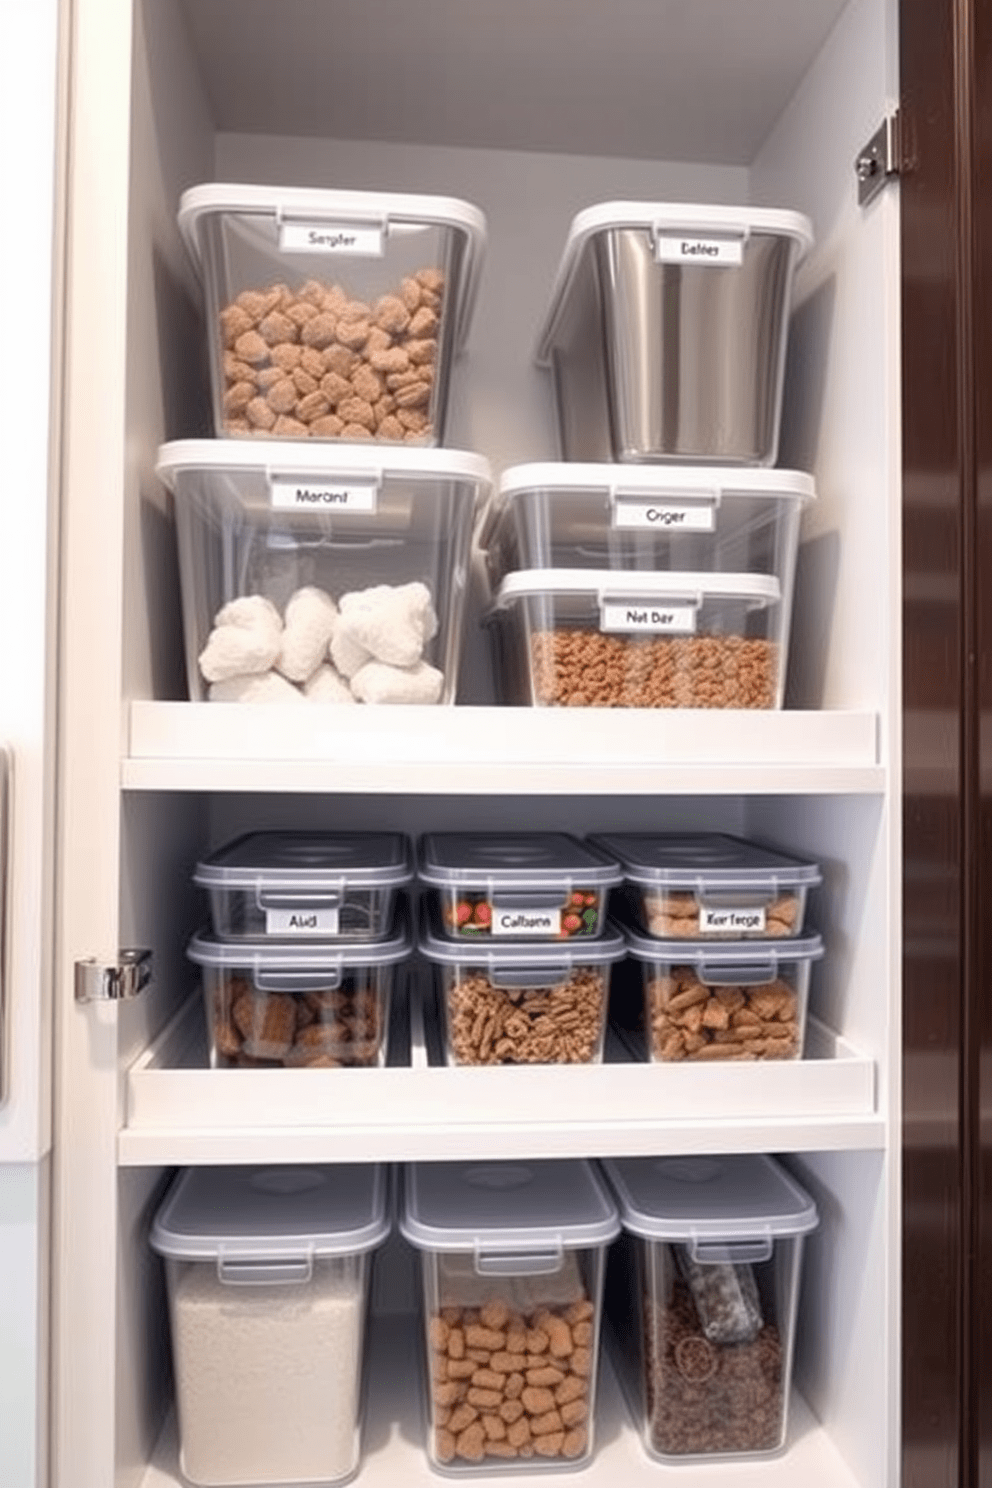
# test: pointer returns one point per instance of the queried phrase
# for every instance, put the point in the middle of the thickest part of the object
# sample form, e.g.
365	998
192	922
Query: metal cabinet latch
99	981
879	161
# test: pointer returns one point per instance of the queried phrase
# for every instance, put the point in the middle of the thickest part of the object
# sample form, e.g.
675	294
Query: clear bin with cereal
305	885
702	1293
667	329
602	638
739	1000
333	314
267	1271
312	575
300	1005
498	885
711	886
696	519
521	1001
512	1259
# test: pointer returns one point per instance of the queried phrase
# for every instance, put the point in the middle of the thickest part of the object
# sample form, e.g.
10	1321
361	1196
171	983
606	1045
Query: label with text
717	252
731	921
302	921
288	493
673	619
355	240
669	516
520	922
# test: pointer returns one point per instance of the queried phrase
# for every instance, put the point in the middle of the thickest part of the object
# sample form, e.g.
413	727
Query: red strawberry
570	923
483	914
463	912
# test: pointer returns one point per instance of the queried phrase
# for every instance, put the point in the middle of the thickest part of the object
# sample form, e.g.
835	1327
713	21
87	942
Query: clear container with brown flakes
603	638
295	1005
732	1000
512	1258
521	1001
711	886
333	314
702	1293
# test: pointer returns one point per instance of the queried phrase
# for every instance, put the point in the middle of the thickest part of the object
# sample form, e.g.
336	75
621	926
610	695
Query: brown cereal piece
546	1376
267	377
367	384
437	1332
462	1368
537	1401
414	395
549	1444
456	1339
335	387
513	1388
234	323
238	426
430	279
422	352
494	1427
393	359
488	1379
259	414
227	1038
409	292
463	1415
312	362
340	360
582	1311
574	1412
471	1443
300	312
250	348
494	1315
582	1362
266	1022
286	356
582	1333
511	1411
304	383
414	420
236	370
281	396
313	406
519	1432
572	1388
356	411
312	291
444	1445
319	331
477	1335
390	427
286	427
277	329
449	1392
575	1443
500	1449
379	340
328	427
390	314
439	1368
353	333
238	396
505	1362
423	323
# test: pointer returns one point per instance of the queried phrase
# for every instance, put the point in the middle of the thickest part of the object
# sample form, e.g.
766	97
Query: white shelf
466	750
180	1111
393	1452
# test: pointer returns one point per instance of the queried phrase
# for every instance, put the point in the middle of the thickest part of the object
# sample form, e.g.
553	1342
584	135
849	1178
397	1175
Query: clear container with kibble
289	1005
268	1271
521	1001
711	886
517	885
567	638
512	1258
732	1000
333	314
305	885
702	1293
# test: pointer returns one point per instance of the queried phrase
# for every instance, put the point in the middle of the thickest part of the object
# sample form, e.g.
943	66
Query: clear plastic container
729	1000
317	575
294	1005
305	884
267	1270
667	330
598	638
521	1001
710	886
701	1299
333	314
489	886
647	518
512	1258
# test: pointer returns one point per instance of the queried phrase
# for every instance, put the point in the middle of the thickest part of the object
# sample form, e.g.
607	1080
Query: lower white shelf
394	1457
179	1111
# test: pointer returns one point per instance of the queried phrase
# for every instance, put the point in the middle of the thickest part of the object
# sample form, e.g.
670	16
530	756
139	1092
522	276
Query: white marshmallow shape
392	624
327	686
246	638
268	687
307	629
379	683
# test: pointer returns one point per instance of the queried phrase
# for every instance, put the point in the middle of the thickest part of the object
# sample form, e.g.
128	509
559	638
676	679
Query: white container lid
261	958
512	860
760	590
517	1207
705	861
751	962
663	219
551	958
390	211
273	1212
310	862
274	457
740	1197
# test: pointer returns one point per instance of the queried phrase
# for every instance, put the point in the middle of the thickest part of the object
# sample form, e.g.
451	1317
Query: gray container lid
308	861
517	860
208	949
705	860
502	952
506	1206
273	1212
723	956
738	1197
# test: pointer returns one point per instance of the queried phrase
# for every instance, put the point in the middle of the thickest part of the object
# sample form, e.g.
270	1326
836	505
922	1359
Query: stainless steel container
667	332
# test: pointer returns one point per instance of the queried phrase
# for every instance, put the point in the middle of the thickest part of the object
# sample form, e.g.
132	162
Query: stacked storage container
308	932
324	535
515	927
619	583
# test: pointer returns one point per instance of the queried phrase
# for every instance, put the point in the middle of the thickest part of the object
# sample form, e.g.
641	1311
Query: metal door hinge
880	160
120	981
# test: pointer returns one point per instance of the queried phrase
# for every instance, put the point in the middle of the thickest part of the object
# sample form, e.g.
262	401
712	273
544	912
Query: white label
301	921
348	239
678	619
287	494
667	515
690	250
526	922
736	921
